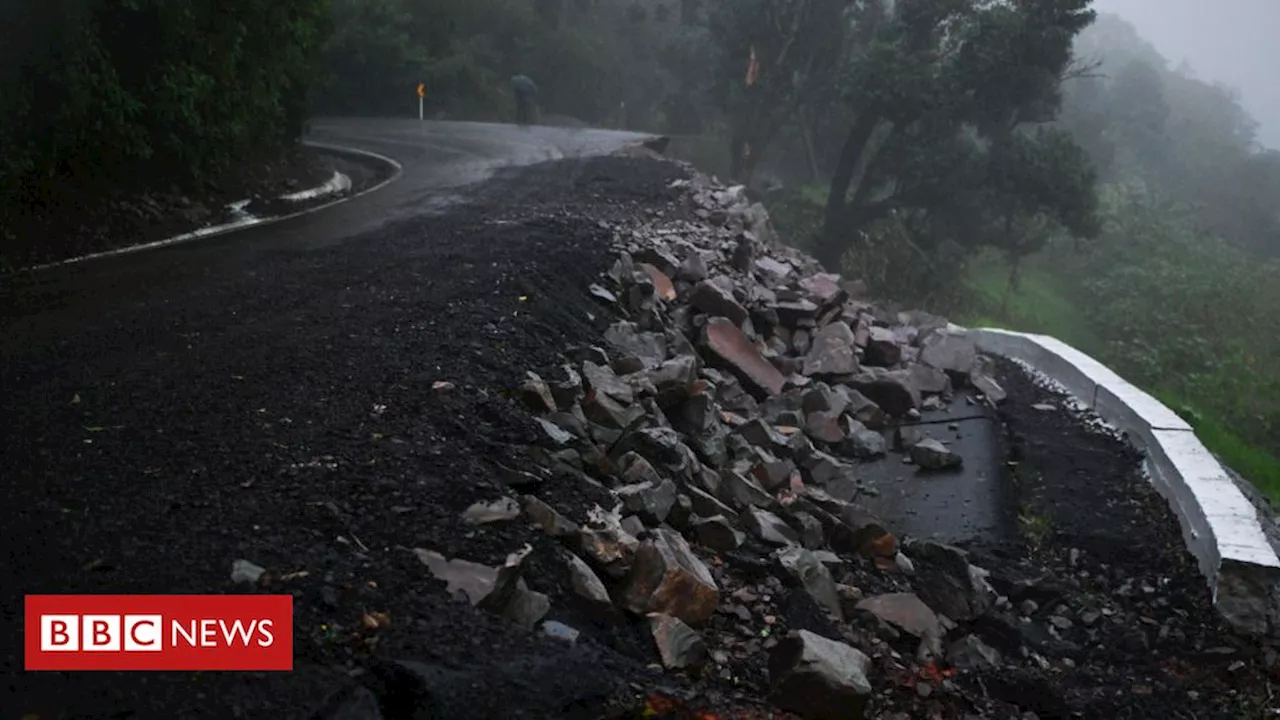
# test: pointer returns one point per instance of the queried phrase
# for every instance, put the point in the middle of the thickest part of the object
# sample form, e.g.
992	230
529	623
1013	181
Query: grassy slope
1041	307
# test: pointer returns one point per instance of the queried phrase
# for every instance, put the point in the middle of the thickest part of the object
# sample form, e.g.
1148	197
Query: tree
792	44
939	84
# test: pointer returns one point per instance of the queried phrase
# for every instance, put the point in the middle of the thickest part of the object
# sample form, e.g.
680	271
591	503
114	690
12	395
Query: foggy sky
1229	41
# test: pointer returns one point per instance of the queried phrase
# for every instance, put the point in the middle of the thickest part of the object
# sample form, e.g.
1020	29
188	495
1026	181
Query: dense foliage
98	94
604	62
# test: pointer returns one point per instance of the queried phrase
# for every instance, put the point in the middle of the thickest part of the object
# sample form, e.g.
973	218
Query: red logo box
159	632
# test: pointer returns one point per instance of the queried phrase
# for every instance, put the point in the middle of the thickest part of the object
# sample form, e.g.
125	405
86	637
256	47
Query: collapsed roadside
367	440
698	483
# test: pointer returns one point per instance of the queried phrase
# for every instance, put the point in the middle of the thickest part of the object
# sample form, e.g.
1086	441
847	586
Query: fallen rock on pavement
931	454
819	678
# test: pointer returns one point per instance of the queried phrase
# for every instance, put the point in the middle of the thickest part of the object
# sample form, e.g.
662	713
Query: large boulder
819	679
666	577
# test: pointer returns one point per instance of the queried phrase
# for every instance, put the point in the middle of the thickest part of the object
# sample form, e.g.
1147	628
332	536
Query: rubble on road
724	419
726	411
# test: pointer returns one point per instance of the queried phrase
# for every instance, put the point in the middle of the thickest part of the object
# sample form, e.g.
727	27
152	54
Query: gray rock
951	353
929	380
715	300
771	472
761	434
569	391
586	583
862	442
948	583
633	525
679	645
636	469
717	533
819	679
862	408
987	385
825	427
812	534
706	505
610	548
769	527
645	349
537	394
906	437
526	608
243	571
573	421
693	269
813	576
652	502
904	611
497	511
673	379
546	517
931	454
485	587
823	398
832	352
892	390
970	653
882	348
741	492
555	434
559	631
601	379
660	446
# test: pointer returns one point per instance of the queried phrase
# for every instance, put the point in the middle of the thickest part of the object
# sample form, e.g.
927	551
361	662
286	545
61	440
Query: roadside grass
1040	306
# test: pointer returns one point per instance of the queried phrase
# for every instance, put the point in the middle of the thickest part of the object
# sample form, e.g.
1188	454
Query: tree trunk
832	243
806	132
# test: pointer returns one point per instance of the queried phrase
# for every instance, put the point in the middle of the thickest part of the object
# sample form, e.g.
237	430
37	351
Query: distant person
526	93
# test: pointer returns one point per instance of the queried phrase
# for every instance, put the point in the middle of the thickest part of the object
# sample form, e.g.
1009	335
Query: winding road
437	158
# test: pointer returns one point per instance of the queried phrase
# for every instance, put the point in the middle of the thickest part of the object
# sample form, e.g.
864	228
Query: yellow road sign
422	90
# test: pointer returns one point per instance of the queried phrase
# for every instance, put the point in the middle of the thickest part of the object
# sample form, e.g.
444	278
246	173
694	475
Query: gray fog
1228	41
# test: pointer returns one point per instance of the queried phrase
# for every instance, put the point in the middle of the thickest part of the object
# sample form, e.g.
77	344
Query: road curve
438	158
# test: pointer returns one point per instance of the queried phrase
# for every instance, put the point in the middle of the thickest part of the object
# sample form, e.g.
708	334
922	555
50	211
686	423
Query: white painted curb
1220	526
337	183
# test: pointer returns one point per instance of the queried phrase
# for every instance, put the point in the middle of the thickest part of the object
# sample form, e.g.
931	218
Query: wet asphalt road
137	335
438	158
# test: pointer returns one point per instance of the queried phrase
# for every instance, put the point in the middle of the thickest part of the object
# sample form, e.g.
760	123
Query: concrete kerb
1220	526
338	183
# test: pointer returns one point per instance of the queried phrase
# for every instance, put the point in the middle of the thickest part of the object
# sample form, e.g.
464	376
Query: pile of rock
726	413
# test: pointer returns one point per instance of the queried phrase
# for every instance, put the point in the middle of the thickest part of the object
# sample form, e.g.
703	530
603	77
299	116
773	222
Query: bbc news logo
159	632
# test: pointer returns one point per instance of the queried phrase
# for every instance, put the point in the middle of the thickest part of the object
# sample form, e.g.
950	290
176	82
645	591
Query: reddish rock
724	339
662	284
668	578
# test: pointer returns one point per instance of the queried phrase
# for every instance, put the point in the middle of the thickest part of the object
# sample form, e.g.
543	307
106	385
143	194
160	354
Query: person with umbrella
526	93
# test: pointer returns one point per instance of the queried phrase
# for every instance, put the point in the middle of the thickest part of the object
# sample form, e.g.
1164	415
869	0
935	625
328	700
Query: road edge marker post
422	93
